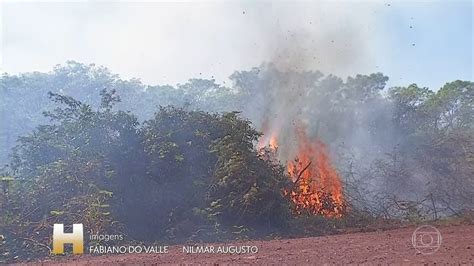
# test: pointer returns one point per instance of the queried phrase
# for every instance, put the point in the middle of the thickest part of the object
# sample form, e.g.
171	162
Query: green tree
247	187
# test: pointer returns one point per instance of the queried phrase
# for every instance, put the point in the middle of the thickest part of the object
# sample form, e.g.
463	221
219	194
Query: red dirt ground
392	246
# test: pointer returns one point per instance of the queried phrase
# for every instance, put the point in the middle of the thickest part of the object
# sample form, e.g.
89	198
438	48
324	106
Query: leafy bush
183	175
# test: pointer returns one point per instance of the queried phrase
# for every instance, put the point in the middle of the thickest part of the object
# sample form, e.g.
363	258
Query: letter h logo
76	238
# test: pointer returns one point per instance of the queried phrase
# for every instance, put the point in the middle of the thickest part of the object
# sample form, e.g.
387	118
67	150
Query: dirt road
393	246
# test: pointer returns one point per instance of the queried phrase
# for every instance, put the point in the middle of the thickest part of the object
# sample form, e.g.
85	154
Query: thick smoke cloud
291	90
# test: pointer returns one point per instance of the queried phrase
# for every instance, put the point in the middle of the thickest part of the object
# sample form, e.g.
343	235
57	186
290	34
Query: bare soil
391	246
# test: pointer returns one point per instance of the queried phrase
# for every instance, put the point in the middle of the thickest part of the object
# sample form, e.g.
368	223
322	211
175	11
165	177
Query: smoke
303	41
317	79
331	37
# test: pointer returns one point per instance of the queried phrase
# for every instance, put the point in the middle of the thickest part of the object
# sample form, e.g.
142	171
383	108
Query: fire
271	142
317	187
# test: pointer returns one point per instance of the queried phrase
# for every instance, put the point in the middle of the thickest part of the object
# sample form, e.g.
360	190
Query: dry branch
301	173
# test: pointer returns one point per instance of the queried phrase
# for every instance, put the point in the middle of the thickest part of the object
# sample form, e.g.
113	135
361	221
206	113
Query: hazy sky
427	42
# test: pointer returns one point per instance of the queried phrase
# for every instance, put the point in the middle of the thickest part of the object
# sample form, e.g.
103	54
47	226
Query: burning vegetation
198	176
316	186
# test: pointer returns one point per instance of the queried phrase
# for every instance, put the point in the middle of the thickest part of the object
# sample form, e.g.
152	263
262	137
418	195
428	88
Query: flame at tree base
317	187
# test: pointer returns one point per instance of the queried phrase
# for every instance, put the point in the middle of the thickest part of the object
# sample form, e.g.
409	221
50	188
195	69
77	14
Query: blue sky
437	48
427	42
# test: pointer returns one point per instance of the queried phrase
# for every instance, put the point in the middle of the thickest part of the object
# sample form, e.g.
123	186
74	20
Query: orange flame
268	140
273	143
317	188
